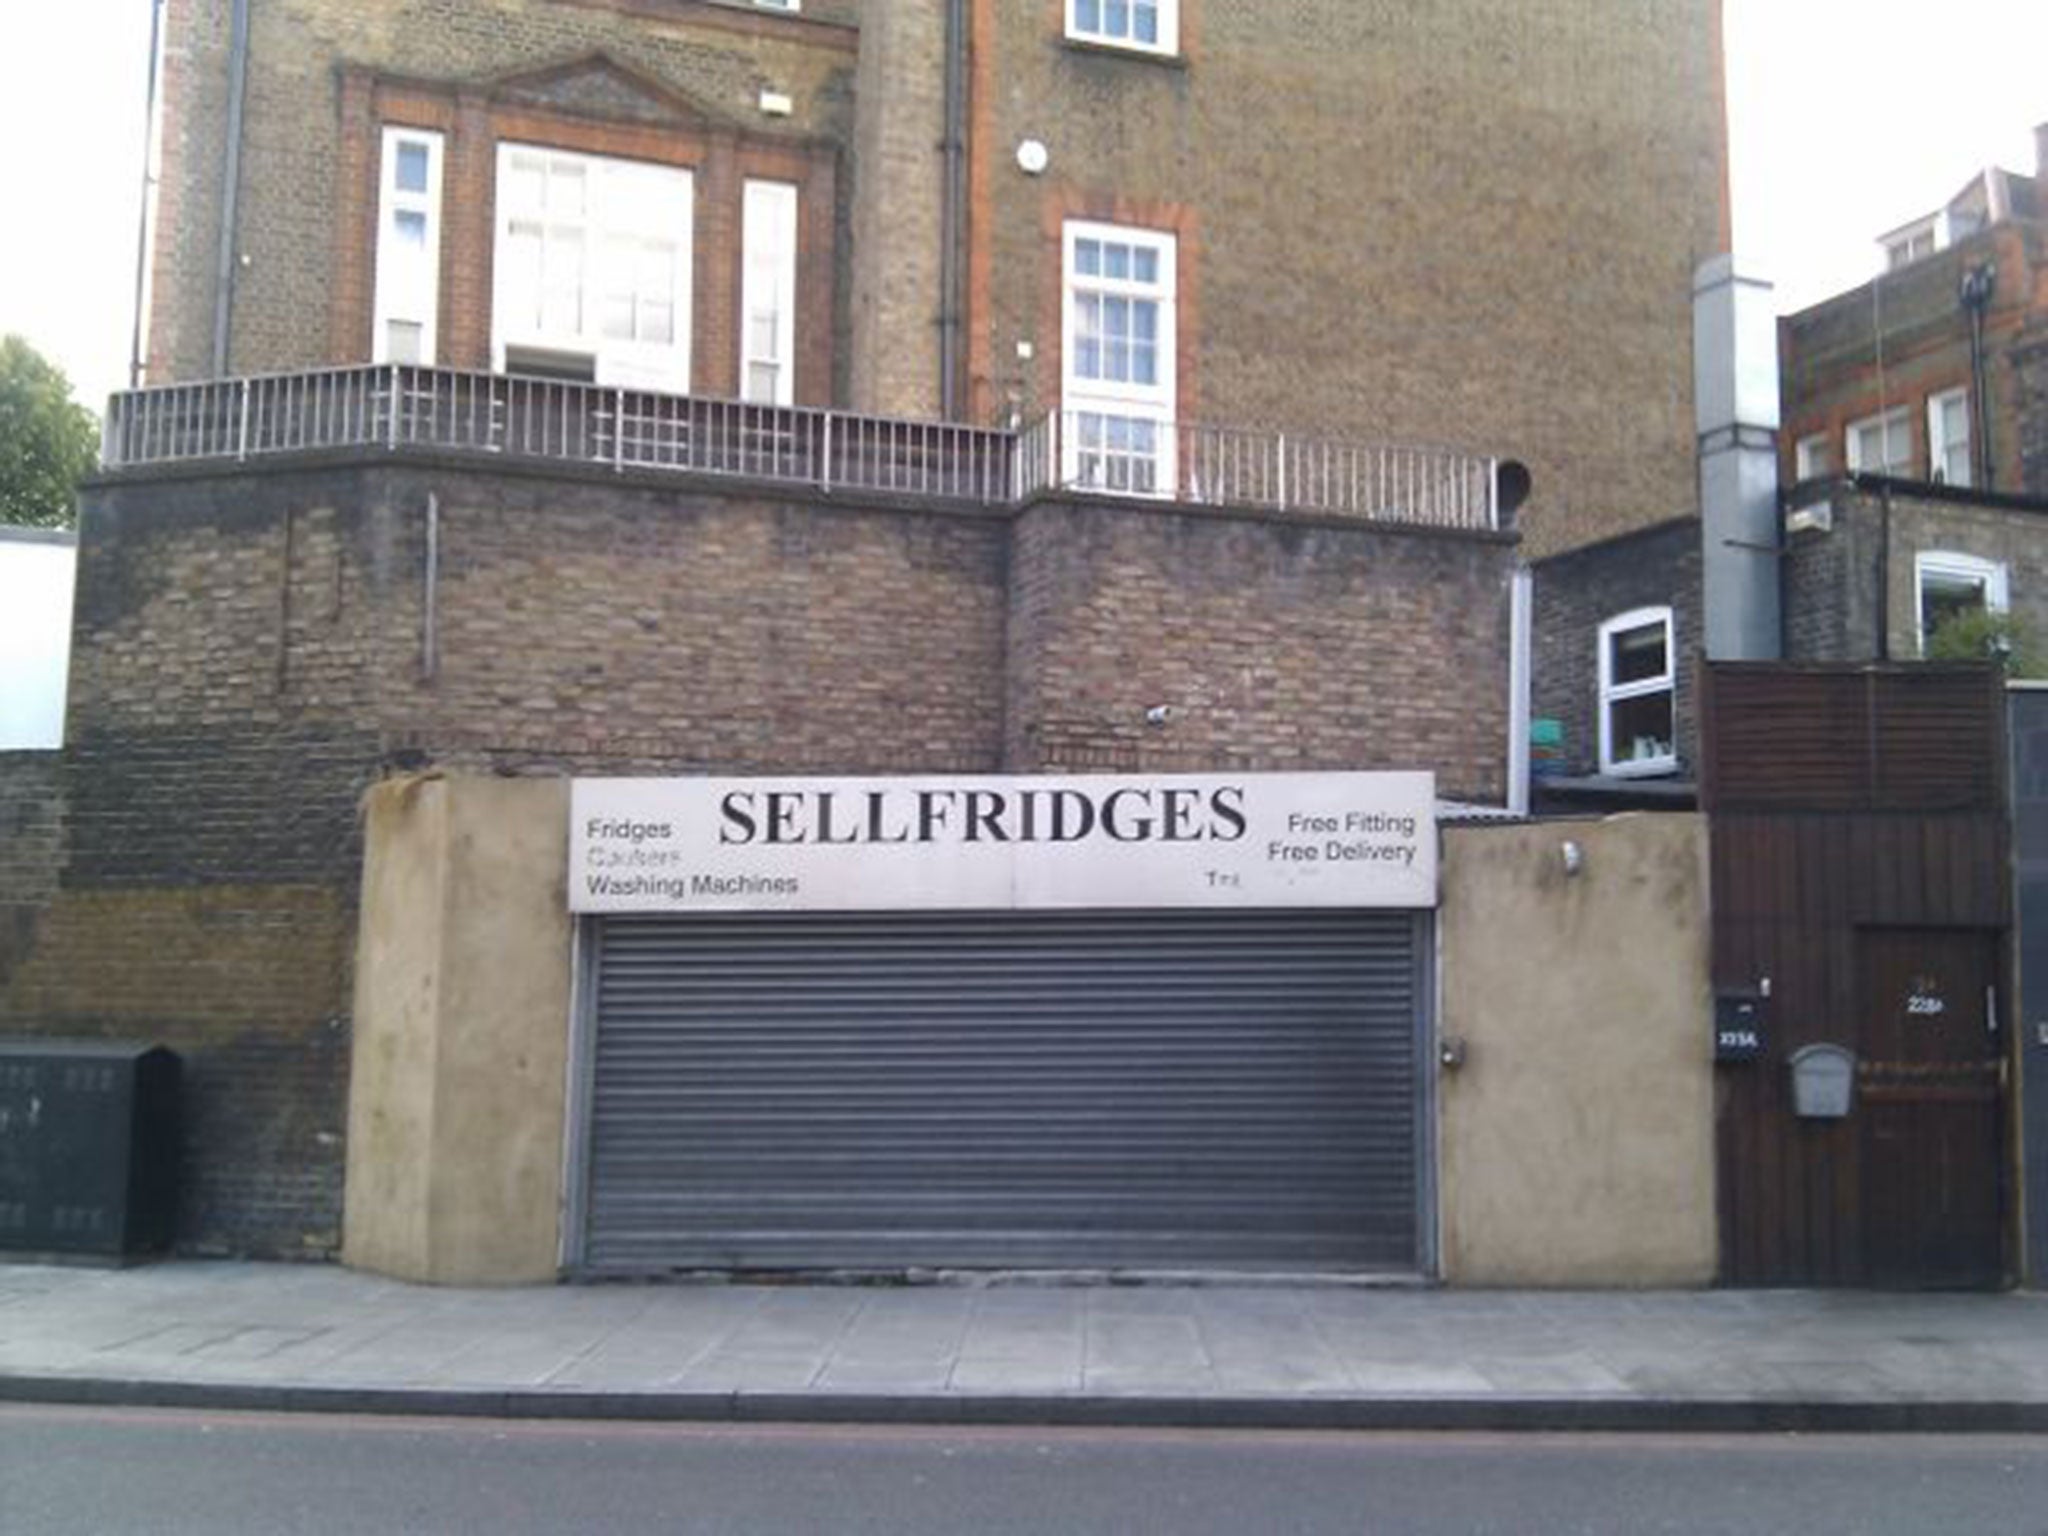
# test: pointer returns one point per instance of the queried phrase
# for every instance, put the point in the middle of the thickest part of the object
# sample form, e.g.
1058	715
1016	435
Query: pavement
1238	1354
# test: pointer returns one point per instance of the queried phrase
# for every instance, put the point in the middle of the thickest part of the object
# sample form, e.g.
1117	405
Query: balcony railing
402	407
1283	472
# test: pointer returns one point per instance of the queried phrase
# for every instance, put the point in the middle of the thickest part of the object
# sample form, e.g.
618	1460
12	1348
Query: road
112	1471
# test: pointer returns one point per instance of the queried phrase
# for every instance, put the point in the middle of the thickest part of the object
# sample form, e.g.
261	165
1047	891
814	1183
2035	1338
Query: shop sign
987	842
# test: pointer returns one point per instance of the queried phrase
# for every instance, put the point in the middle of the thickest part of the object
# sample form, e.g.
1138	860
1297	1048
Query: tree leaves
48	442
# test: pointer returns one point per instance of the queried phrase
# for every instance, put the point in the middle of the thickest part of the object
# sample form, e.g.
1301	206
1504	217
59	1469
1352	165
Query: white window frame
1953	565
1813	457
612	217
408	281
1939	445
768	246
1090	405
1612	693
1895	426
1168	12
1916	241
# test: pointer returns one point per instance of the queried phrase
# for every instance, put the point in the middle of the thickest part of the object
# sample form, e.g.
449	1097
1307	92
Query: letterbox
1823	1077
88	1147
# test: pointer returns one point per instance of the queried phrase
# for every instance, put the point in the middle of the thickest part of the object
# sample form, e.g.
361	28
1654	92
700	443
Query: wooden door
1929	1107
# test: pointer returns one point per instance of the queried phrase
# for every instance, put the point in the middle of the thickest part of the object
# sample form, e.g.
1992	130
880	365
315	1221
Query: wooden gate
1930	1075
1859	849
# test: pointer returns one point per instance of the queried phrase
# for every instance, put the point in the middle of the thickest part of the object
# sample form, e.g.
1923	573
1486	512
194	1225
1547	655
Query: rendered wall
1577	1141
458	1079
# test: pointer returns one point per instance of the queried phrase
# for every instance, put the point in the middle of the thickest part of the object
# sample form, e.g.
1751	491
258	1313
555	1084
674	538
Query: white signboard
978	843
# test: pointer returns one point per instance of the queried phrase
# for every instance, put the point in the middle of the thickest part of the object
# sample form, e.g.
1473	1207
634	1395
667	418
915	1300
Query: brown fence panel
1841	800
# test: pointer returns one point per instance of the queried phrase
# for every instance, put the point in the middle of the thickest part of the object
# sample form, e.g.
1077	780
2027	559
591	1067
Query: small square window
1813	457
1882	445
1146	26
1949	585
409	166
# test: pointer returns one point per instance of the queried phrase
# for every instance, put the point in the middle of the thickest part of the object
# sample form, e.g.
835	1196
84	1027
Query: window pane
1145	265
410	172
526	188
1640	728
657	322
1147	22
566	190
1087	15
1116	18
1943	597
761	382
618	317
1088	257
403	339
410	228
1116	262
522	273
1638	654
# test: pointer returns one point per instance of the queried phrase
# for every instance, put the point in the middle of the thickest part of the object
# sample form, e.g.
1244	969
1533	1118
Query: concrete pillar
457	1086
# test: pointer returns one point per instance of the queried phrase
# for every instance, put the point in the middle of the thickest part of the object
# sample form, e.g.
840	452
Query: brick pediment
598	86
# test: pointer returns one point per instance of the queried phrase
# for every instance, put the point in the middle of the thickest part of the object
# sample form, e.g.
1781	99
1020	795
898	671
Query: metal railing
1276	471
399	406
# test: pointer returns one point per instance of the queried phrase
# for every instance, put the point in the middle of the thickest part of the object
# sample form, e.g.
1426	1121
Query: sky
1848	118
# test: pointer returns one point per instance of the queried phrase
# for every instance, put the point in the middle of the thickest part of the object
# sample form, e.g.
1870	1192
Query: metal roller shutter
898	1090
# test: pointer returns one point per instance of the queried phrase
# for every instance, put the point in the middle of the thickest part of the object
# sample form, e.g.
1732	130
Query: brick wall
302	279
1576	593
1473	222
31	846
1904	336
2028	361
251	654
898	209
1273	646
1836	605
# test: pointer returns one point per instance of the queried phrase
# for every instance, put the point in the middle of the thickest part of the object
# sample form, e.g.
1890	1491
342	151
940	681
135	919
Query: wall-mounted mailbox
1823	1078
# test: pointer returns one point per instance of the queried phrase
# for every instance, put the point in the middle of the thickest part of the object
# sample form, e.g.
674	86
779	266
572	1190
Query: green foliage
1978	634
48	442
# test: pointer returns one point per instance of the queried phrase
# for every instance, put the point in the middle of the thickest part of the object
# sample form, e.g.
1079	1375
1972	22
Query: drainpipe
156	23
1519	607
231	178
1884	573
1979	284
953	199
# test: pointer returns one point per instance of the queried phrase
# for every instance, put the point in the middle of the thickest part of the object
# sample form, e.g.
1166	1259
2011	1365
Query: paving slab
1218	1352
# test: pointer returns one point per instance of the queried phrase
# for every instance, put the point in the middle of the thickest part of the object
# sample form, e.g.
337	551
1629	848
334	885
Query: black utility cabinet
88	1147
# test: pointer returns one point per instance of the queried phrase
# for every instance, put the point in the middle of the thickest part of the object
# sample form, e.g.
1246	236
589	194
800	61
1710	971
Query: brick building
1937	368
1914	416
1466	226
550	388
